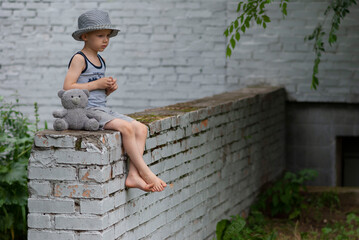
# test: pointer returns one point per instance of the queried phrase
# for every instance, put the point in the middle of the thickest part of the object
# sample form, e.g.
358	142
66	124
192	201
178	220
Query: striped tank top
91	73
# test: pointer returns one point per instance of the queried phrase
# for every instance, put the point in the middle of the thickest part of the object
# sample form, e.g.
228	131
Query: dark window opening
348	161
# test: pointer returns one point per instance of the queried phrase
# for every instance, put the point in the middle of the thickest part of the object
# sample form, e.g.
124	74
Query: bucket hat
94	20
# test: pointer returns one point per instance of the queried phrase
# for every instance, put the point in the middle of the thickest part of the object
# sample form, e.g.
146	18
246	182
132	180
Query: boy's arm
76	67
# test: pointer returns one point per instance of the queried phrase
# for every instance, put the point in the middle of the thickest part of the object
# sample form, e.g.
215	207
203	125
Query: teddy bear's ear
86	92
60	93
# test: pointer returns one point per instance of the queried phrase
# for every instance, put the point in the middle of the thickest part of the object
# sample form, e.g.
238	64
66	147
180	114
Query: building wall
214	153
172	51
279	55
312	137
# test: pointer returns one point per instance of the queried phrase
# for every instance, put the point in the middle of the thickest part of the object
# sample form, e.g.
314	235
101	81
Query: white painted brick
50	235
83	222
116	184
52	173
97	206
38	221
99	173
51	205
39	188
80	157
77	190
54	141
151	143
118	169
108	234
12	5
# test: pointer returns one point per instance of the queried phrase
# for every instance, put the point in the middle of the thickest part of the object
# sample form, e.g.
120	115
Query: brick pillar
76	183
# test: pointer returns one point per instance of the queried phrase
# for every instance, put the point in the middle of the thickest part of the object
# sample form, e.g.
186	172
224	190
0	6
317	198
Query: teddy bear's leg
60	124
91	125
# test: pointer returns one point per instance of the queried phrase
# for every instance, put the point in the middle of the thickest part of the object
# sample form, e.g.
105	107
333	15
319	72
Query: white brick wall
214	153
279	55
170	52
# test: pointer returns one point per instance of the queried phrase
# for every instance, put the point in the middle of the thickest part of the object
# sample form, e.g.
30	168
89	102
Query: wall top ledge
149	116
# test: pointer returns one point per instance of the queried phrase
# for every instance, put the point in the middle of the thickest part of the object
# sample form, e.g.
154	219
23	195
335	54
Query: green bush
239	229
16	138
283	198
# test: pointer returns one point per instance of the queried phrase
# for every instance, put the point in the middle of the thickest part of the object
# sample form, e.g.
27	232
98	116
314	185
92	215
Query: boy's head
94	20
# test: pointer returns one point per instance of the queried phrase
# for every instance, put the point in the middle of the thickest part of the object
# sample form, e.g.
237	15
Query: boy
86	70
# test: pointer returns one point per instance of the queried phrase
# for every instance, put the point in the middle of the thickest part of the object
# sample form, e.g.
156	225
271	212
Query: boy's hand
104	83
113	87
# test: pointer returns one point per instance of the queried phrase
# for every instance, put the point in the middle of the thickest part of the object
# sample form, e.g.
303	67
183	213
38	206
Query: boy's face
97	40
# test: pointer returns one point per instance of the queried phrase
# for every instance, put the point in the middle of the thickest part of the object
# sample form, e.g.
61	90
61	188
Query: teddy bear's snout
76	100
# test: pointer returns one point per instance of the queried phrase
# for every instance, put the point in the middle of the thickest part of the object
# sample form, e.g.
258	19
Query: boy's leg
128	131
134	179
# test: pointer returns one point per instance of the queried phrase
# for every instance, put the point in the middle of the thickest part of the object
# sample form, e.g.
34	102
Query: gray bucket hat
94	20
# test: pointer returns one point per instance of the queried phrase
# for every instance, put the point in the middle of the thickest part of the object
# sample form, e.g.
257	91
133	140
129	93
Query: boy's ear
84	37
60	93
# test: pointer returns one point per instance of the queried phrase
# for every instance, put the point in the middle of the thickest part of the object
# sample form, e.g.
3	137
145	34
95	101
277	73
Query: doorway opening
347	161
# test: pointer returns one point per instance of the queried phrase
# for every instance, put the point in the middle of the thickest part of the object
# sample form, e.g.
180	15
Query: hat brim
77	34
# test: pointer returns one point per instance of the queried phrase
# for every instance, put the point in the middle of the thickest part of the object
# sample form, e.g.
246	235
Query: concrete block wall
215	153
172	51
312	132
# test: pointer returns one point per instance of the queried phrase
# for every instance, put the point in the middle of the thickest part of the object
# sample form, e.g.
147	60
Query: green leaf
238	36
246	22
233	42
314	82
239	6
231	29
243	28
326	230
266	18
229	51
221	227
236	24
234	229
226	33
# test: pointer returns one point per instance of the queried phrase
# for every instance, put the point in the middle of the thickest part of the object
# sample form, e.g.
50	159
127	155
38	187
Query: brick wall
172	51
279	55
214	153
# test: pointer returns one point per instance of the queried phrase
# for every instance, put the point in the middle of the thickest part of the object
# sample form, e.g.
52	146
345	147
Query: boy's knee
140	128
126	128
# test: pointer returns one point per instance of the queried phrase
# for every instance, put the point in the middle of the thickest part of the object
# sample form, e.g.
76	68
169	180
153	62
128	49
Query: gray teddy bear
75	115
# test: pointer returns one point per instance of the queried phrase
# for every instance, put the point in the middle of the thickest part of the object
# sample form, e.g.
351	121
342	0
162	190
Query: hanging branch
254	11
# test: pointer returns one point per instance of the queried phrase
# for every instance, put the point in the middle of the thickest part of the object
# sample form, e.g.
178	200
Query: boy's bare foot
135	181
158	184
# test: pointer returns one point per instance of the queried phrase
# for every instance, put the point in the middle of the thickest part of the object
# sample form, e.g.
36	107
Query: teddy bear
75	115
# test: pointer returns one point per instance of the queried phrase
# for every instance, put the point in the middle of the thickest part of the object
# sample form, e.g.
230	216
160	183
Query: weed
283	198
238	228
16	138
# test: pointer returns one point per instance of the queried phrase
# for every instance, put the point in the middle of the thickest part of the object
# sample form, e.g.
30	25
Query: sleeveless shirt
91	73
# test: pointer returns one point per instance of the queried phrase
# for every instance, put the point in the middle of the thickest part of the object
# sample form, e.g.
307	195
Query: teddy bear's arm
59	113
92	114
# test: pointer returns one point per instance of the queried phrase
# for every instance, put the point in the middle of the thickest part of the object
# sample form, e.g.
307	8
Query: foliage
239	229
251	10
326	199
283	198
339	9
255	10
16	138
340	231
